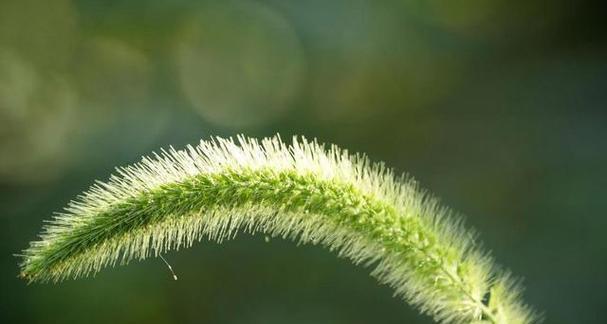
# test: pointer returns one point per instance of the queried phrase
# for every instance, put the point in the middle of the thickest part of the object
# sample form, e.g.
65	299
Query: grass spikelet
303	191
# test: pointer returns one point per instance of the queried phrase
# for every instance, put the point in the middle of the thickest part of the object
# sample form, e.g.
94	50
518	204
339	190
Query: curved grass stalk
300	191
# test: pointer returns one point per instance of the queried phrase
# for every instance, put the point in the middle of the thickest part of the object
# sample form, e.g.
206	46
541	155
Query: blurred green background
496	106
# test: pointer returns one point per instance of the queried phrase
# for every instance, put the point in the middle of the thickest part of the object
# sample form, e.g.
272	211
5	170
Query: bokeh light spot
239	63
36	112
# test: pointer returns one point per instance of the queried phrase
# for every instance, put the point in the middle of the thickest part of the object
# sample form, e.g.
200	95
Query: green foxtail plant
303	191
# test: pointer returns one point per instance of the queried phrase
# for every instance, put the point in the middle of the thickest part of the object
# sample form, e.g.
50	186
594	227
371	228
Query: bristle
302	191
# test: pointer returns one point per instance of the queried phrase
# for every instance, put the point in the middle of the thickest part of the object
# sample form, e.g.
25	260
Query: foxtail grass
303	191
